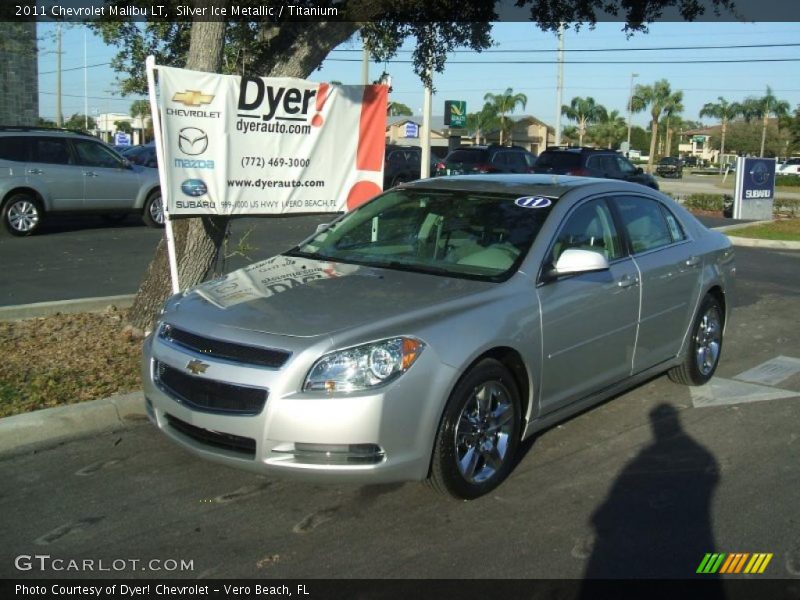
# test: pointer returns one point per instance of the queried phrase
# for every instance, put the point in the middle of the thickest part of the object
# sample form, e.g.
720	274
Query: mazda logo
192	141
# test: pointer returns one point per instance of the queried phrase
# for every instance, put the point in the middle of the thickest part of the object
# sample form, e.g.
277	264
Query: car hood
293	296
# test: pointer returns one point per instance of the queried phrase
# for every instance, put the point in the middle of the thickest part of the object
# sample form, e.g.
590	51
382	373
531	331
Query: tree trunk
764	134
722	144
198	239
653	137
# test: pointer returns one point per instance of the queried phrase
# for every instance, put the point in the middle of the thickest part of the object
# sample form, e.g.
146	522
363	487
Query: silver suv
51	171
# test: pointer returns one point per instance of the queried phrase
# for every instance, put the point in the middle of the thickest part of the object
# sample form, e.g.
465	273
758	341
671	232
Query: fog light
335	454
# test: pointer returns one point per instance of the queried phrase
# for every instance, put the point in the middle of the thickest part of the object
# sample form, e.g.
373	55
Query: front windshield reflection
454	233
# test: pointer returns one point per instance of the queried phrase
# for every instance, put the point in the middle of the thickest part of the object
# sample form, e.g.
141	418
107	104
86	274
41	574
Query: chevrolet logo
192	98
197	366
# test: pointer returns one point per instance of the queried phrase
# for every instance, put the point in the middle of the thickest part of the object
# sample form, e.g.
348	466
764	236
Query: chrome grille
231	351
208	394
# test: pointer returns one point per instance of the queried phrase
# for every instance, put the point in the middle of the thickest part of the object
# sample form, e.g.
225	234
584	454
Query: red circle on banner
361	192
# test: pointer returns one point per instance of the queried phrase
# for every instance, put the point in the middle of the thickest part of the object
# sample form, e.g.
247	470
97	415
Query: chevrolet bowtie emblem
192	98
197	366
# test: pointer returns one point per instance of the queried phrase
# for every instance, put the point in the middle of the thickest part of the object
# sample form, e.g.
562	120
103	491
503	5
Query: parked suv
486	159
669	166
52	171
402	164
591	162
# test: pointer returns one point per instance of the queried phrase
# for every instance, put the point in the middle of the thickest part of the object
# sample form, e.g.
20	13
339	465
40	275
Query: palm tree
763	108
656	96
504	103
724	111
482	121
583	111
672	108
609	129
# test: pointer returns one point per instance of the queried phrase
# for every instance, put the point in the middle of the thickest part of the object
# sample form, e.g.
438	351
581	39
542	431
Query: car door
109	183
669	272
53	172
588	320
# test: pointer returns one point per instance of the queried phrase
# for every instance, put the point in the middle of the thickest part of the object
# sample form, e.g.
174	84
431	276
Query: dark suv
669	166
486	159
591	162
402	163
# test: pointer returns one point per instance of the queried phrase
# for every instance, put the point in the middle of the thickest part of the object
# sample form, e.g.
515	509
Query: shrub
710	202
787	206
787	180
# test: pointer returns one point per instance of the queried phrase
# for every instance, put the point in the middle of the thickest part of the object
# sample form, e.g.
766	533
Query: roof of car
552	186
579	149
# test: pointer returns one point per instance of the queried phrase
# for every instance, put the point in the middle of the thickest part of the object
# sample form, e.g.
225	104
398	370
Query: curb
71	421
44	309
773	244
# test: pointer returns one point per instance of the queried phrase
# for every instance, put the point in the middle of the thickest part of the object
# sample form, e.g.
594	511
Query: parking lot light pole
630	108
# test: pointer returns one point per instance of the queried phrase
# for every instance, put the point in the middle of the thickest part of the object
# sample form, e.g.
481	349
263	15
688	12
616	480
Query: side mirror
574	260
639	170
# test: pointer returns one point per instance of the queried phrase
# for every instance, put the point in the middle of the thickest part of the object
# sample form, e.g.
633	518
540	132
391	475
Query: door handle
90	174
35	171
692	261
628	281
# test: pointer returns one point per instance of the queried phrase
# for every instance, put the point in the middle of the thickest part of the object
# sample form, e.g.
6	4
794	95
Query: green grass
783	230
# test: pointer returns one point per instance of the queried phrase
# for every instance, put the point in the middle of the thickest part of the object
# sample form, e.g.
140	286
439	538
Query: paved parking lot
643	485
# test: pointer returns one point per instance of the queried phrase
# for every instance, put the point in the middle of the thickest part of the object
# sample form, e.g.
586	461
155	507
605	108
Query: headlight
363	367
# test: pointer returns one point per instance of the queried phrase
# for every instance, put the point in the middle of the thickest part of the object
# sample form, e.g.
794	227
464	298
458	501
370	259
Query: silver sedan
425	334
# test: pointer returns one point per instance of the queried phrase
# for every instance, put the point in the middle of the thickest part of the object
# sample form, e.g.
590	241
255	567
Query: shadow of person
656	521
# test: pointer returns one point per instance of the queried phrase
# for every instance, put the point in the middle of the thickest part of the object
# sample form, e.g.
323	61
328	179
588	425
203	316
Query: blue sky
607	83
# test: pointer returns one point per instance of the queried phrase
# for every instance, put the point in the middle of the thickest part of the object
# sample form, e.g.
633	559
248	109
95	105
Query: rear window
559	160
14	147
468	156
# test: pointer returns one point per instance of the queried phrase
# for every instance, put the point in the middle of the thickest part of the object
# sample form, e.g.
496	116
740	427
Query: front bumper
376	436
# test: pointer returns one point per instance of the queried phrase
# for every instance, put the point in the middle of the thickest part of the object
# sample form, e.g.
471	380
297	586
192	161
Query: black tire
22	214
153	213
473	452
705	345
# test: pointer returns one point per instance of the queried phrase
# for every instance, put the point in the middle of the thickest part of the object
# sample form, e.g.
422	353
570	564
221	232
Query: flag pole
150	63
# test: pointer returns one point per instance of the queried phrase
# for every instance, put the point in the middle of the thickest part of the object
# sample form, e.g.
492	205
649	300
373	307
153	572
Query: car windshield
451	233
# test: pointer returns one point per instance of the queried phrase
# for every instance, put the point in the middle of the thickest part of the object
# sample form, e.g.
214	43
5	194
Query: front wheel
479	433
705	346
153	214
21	214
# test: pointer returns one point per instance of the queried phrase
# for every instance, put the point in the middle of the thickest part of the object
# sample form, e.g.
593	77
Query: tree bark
653	137
722	143
300	48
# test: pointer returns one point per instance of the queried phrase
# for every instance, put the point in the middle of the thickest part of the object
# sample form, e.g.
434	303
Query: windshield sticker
533	202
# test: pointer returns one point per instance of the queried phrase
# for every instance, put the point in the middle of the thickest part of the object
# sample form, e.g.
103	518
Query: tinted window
14	148
590	227
559	160
467	156
93	154
50	150
644	223
624	165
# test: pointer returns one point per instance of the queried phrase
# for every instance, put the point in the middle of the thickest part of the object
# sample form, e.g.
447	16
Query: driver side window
590	227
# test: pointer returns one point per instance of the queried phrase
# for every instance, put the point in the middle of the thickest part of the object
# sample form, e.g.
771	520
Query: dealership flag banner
256	145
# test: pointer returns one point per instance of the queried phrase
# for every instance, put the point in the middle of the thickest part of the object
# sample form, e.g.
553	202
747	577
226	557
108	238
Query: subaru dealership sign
755	188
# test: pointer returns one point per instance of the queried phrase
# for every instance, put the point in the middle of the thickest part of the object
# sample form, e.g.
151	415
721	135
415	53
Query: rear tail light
439	166
580	172
483	168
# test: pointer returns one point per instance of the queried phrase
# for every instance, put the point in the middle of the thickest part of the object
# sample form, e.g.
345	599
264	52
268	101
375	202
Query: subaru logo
194	188
192	141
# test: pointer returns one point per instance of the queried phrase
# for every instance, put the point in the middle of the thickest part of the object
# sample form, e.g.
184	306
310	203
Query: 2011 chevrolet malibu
425	334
